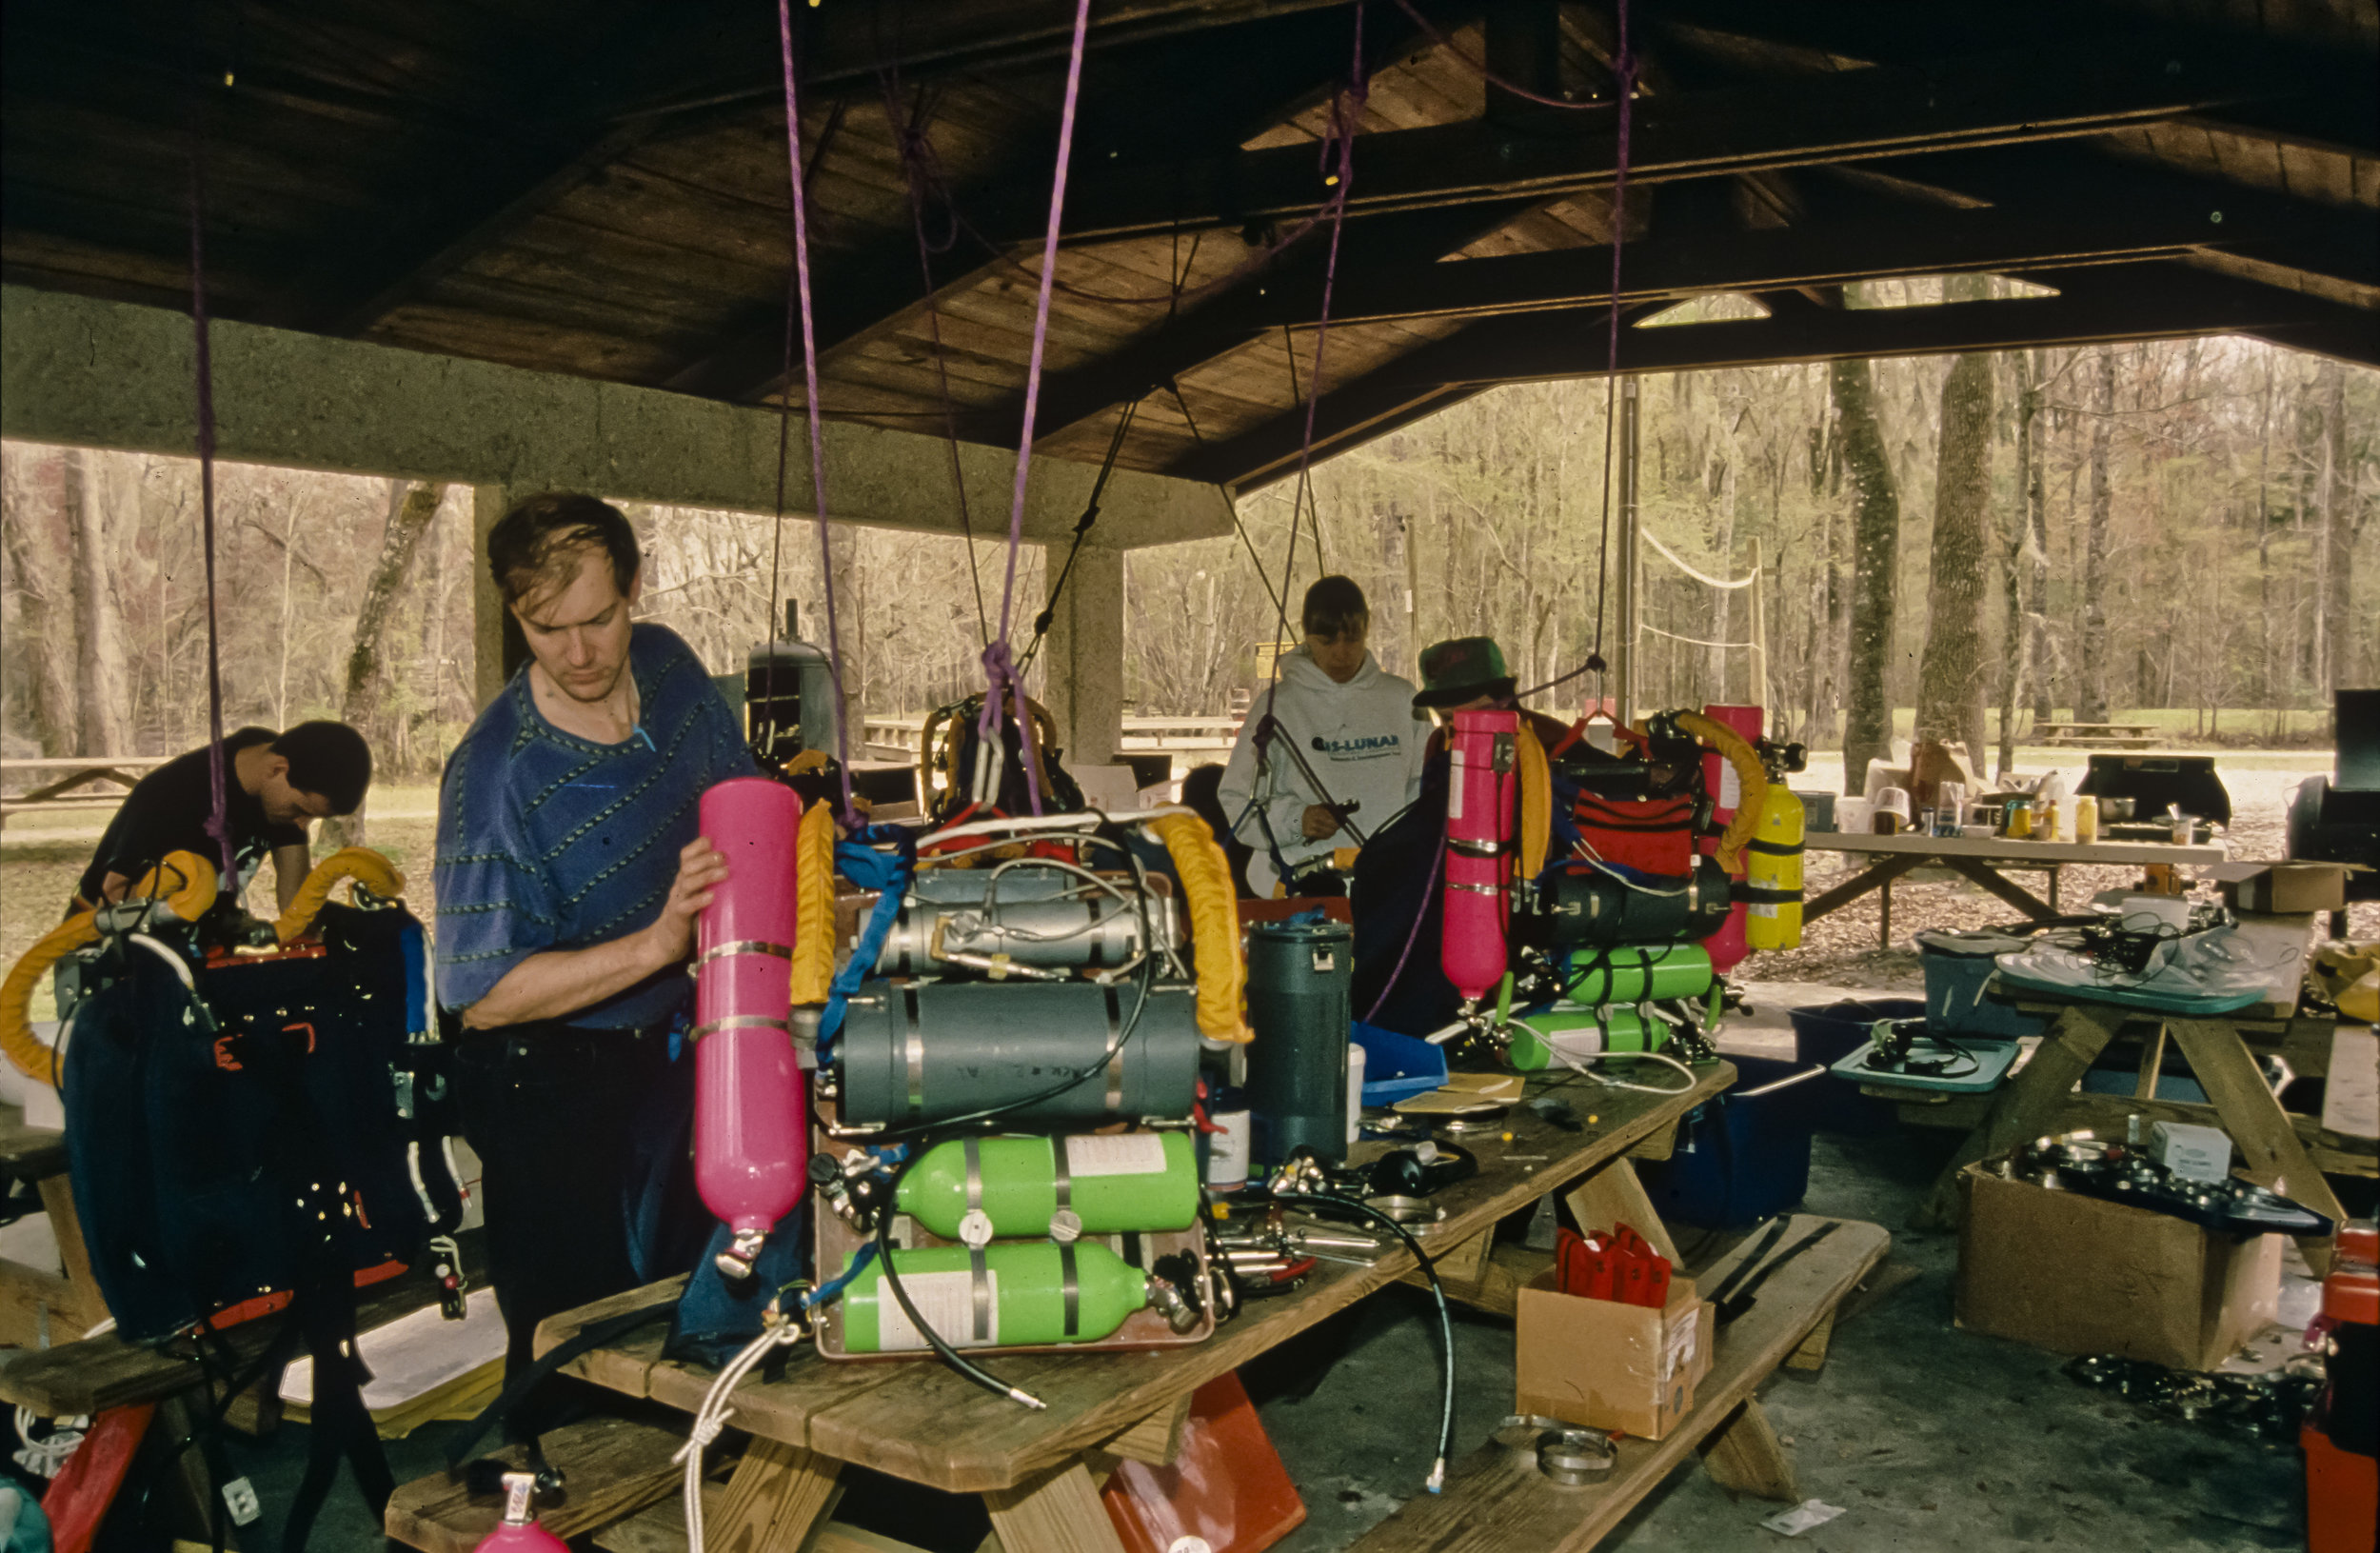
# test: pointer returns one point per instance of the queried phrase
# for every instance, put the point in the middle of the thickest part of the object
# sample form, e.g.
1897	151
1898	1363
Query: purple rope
996	663
218	778
809	380
1624	63
1412	934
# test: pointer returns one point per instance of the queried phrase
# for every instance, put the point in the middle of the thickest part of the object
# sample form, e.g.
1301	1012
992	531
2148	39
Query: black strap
1775	848
588	1338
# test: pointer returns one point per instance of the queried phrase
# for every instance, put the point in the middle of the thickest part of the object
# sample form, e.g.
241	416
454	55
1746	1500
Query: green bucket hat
1462	669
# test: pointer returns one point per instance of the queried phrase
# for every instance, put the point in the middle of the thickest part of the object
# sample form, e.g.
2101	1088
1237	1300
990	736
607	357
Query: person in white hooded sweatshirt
1355	726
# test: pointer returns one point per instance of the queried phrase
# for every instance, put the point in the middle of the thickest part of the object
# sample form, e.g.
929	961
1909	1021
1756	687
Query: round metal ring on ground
1574	1457
1408	1211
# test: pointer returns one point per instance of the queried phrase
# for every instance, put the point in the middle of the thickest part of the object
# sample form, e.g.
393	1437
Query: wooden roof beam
1884	111
2148	301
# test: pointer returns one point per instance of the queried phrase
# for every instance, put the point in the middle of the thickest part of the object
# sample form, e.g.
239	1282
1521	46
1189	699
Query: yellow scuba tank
1772	872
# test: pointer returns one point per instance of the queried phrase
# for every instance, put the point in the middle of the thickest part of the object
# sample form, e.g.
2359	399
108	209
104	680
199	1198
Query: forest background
2173	530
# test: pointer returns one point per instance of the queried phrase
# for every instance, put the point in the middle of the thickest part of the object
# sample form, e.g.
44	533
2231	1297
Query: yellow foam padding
361	864
814	906
192	894
805	762
1536	801
1213	909
1736	751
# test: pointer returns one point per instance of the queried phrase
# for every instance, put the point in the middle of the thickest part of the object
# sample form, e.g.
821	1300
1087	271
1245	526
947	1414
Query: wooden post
488	503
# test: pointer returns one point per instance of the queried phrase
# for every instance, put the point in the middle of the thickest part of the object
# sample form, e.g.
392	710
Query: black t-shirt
168	811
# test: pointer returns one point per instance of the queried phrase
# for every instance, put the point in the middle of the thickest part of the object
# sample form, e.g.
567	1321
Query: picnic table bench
2094	735
1035	1469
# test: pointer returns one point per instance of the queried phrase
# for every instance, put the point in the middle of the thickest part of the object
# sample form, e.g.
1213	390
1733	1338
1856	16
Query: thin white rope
1680	562
1695	641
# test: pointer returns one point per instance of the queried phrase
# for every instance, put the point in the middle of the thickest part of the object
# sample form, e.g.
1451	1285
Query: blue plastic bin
1397	1067
1827	1033
1957	964
1743	1156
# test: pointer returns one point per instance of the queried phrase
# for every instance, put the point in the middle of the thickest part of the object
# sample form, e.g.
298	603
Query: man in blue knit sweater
569	877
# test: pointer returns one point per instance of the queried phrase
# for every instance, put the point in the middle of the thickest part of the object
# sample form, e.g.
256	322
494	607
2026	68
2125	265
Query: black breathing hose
1445	1322
943	1351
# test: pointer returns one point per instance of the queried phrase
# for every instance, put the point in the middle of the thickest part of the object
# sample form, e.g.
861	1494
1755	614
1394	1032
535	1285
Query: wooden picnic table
81	771
2273	1147
1986	860
1035	1469
2095	735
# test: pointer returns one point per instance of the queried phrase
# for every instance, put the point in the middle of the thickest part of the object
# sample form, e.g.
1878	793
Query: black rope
1082	530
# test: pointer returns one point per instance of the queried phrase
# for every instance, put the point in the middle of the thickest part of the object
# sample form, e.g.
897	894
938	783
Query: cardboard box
2281	889
2190	1151
2079	1275
1610	1366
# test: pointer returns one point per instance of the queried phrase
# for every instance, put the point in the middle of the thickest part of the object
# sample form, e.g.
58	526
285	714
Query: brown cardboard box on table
2079	1275
1610	1366
2281	890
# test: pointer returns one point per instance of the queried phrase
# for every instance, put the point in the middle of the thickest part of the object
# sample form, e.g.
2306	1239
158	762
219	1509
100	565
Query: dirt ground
41	857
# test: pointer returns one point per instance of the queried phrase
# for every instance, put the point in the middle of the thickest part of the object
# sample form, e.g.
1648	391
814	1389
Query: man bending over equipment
277	783
569	877
1340	753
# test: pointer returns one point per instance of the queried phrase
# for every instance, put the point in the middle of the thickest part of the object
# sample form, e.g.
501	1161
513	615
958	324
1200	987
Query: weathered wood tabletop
917	1421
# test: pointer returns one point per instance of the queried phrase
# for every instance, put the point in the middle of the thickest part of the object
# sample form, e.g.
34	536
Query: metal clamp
743	946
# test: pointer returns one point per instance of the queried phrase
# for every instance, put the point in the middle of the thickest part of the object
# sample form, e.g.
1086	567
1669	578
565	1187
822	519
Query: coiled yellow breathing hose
1536	801
1738	752
192	894
1213	909
814	906
361	864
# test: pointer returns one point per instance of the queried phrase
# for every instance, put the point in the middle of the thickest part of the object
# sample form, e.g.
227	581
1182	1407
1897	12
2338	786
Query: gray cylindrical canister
1297	1008
922	1052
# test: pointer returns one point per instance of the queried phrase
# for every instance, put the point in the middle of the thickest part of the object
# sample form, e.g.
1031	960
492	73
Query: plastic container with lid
1957	964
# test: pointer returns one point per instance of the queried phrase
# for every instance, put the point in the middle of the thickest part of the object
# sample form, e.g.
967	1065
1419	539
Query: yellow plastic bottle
1773	873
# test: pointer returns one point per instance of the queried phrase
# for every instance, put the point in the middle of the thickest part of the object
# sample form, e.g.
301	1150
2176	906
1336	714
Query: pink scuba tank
1480	787
519	1532
751	1112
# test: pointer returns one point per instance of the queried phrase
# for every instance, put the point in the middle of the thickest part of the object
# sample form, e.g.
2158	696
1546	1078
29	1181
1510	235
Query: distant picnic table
80	772
2095	735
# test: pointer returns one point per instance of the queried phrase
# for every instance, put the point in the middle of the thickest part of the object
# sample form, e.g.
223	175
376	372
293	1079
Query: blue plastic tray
1397	1067
1992	1060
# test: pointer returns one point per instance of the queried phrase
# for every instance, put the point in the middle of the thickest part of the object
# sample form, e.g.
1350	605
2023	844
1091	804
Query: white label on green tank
947	1302
1125	1154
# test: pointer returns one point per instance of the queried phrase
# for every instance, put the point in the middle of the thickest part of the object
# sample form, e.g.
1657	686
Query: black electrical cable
1445	1322
959	1362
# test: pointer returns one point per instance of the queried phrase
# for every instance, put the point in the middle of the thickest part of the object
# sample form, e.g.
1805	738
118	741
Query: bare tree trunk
2036	497
1875	557
100	686
44	621
409	511
2090	698
1955	667
2340	528
2017	645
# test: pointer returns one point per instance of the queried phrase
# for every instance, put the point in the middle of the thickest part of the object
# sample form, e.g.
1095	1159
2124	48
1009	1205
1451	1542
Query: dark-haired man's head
568	569
316	771
1336	622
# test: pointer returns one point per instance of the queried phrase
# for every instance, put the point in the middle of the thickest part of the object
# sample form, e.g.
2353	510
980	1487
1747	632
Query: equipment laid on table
2081	1162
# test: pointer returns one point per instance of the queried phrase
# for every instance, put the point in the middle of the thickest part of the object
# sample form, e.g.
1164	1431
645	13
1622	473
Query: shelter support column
497	646
1084	655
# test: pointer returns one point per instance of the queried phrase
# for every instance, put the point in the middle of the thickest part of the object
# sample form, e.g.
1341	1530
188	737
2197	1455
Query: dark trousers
551	1111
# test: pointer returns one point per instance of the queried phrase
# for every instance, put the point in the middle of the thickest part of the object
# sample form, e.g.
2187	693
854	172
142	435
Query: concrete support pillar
497	646
1084	656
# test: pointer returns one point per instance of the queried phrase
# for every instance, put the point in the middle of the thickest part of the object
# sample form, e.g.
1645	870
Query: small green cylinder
1116	1184
1009	1295
1621	1026
1642	973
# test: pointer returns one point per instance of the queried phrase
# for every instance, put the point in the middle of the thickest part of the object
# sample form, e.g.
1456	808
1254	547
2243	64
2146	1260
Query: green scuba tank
1642	973
1619	1026
1111	1186
1011	1295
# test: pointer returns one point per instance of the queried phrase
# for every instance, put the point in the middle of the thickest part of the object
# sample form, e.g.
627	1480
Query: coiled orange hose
1738	752
1214	910
192	894
361	864
814	906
